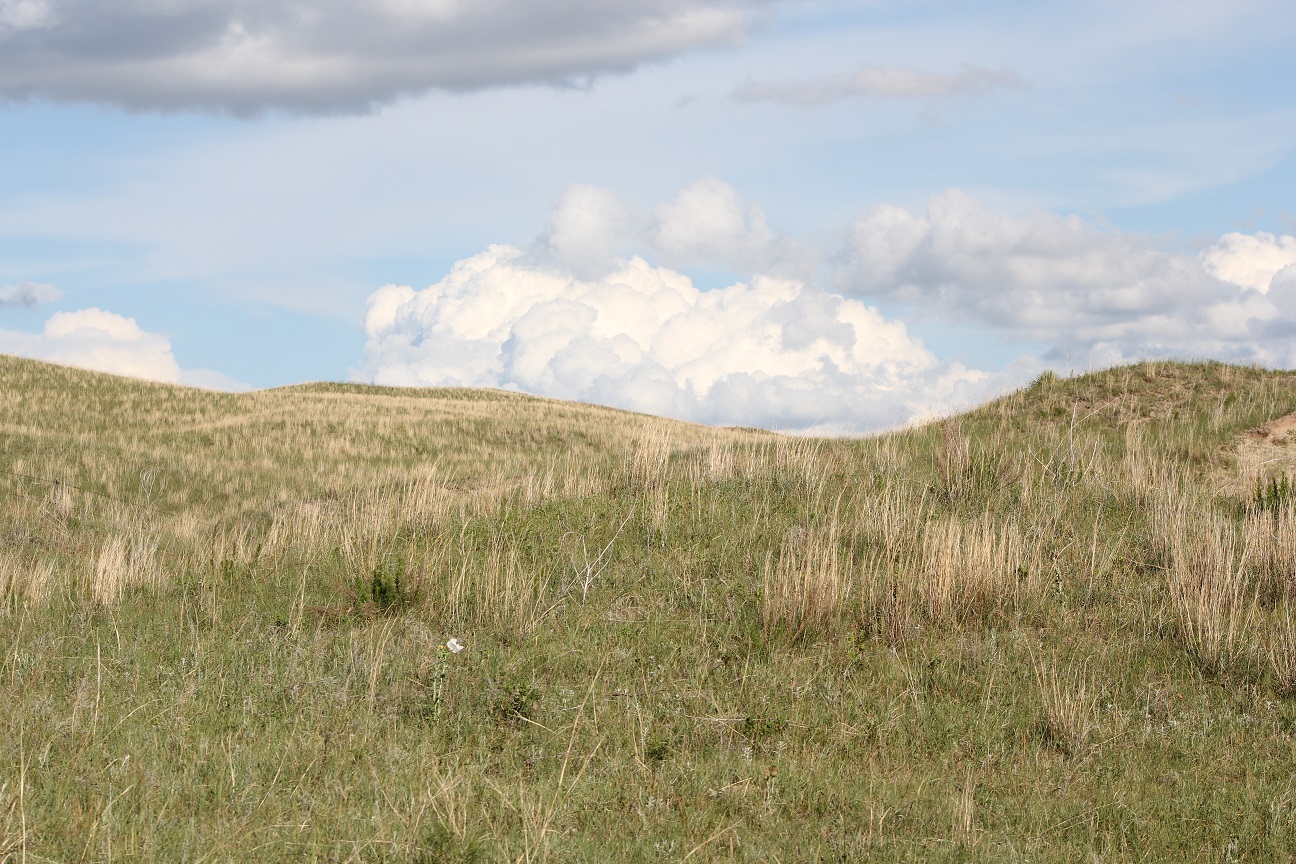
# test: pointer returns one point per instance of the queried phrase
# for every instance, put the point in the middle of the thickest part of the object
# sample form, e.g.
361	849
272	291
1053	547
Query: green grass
1056	628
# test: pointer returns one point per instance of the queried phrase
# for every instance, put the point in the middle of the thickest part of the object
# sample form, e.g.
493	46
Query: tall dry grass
1282	653
971	570
1270	540
23	581
1070	701
1211	593
808	583
495	590
121	563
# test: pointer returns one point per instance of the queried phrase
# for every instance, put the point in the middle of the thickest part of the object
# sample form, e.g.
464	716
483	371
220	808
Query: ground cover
1055	628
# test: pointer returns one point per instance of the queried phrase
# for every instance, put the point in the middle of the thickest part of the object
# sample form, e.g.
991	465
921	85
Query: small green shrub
385	592
441	846
516	699
759	729
657	750
1275	494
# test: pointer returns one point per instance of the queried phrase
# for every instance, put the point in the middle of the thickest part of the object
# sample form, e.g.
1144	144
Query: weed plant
1055	628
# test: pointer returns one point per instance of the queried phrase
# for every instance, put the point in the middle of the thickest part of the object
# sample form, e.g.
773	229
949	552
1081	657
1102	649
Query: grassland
1056	628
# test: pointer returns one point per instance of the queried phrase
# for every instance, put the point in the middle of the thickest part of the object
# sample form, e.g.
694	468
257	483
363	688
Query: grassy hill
1055	628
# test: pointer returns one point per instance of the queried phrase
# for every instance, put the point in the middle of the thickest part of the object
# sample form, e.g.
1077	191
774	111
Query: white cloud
28	294
107	342
1250	260
707	224
887	82
576	318
770	352
345	55
1095	294
586	231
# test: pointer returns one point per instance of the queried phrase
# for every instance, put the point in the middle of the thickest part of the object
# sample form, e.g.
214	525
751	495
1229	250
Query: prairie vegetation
1059	627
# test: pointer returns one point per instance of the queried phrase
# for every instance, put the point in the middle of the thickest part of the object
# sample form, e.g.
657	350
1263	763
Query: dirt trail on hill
1268	450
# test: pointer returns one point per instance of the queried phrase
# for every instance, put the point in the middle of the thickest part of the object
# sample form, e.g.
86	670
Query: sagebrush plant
1055	628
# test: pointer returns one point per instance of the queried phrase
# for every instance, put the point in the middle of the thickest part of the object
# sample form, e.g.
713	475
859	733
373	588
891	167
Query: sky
825	216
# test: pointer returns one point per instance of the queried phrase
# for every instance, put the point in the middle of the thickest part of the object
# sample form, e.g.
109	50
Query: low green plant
514	699
1274	494
385	592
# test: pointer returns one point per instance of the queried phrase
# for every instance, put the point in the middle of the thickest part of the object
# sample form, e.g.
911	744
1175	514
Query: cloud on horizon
883	82
341	56
772	353
1096	295
707	225
107	342
578	317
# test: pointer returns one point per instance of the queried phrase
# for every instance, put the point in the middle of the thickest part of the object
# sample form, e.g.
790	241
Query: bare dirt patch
1268	450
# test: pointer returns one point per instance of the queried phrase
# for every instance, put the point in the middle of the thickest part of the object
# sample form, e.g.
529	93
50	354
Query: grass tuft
1211	596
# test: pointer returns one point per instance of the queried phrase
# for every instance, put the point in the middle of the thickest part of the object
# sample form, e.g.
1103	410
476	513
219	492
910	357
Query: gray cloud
246	56
1094	294
890	82
28	294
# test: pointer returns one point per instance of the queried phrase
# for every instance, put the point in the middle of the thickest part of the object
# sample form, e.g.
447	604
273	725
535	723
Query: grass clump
1070	707
1210	594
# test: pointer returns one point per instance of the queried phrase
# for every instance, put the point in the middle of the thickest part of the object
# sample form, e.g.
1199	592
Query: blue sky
834	216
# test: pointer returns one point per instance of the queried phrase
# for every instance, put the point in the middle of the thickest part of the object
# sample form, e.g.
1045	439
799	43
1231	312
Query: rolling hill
1057	627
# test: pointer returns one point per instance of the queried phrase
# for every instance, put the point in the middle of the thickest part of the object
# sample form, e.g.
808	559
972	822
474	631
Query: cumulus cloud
1095	294
705	225
344	55
576	317
1251	260
887	82
586	231
708	225
107	342
770	352
28	294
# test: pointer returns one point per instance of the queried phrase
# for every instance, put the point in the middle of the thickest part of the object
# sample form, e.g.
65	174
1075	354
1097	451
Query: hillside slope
1056	627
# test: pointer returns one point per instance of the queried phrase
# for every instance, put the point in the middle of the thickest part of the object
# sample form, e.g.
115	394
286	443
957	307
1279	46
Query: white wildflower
455	645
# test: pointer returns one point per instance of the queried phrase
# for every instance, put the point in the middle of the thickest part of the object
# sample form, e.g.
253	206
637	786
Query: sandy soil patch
1268	450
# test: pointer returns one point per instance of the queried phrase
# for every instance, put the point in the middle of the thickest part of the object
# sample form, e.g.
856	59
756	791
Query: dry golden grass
1069	700
1282	653
121	563
970	569
1211	594
24	581
1270	540
806	587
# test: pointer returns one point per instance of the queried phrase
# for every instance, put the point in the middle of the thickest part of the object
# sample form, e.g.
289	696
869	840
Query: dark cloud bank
246	56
